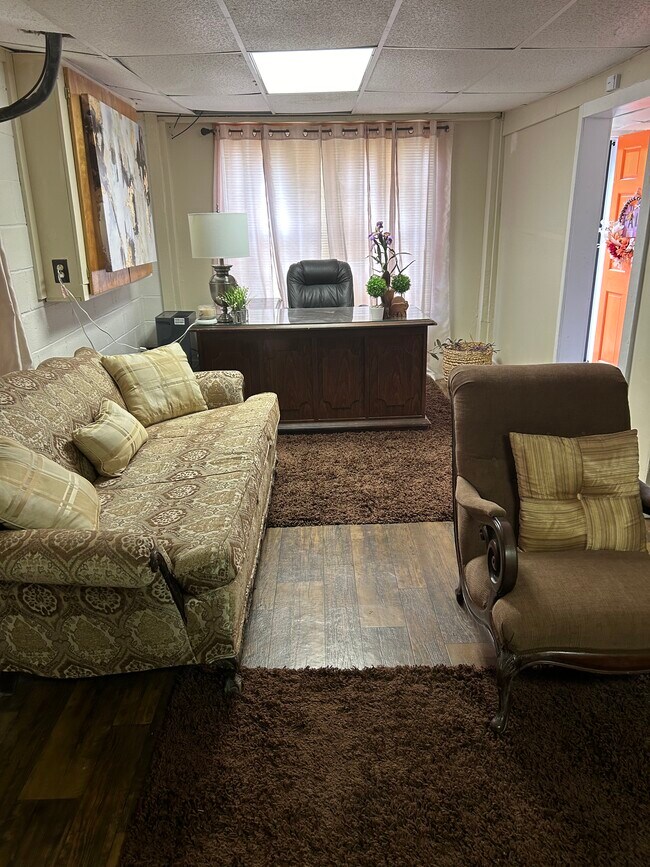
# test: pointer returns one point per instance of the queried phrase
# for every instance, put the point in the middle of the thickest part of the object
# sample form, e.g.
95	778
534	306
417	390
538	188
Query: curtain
314	192
14	352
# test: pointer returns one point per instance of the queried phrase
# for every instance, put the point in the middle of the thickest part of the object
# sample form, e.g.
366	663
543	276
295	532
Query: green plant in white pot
236	297
376	287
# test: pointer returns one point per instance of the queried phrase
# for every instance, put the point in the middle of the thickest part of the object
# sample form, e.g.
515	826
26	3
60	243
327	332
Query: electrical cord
67	293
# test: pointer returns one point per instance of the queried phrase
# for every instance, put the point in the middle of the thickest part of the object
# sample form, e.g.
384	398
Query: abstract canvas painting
120	185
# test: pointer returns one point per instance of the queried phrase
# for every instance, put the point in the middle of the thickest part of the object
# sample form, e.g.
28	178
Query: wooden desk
332	368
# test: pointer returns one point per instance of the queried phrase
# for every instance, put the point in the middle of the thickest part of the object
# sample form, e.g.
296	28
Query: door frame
585	206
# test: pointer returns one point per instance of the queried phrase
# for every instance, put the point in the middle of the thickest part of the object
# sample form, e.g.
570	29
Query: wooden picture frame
100	280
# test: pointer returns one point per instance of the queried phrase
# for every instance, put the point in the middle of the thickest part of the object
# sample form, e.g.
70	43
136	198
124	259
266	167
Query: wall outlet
613	83
61	270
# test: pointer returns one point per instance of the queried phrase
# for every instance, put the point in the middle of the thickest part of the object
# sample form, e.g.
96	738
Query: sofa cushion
580	492
156	385
111	440
37	493
41	408
596	601
197	493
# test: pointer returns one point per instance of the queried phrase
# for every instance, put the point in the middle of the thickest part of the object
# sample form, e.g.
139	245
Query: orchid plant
383	253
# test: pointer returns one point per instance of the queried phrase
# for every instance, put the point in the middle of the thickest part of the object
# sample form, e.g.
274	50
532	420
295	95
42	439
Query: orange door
631	158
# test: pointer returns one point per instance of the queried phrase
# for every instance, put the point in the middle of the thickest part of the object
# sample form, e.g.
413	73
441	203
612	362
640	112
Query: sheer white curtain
314	192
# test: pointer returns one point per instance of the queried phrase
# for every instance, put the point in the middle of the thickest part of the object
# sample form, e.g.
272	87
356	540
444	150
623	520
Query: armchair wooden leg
507	669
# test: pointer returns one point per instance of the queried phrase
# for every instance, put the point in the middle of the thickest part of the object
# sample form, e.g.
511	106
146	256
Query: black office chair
320	283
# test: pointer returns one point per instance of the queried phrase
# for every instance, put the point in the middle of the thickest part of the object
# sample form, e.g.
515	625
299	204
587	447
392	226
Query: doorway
619	226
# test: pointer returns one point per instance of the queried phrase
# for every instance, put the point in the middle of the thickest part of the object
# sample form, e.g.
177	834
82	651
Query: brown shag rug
396	766
366	477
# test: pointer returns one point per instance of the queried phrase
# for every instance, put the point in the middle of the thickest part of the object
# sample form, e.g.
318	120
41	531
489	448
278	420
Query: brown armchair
581	609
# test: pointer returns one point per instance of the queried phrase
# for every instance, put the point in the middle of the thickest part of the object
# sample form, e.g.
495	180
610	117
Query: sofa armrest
221	387
87	558
645	497
498	535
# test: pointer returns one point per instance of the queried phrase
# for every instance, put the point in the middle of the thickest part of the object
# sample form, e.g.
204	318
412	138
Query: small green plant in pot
376	287
236	297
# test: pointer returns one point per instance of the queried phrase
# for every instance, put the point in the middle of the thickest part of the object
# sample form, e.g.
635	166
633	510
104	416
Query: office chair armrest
498	535
645	497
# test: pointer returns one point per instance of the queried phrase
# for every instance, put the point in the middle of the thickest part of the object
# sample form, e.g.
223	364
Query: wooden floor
358	596
73	755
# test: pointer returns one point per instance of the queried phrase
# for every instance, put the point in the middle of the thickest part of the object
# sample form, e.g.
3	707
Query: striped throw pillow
111	441
157	384
580	492
37	493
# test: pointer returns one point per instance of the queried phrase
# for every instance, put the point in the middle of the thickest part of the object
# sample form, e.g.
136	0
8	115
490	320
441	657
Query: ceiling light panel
277	25
327	71
469	23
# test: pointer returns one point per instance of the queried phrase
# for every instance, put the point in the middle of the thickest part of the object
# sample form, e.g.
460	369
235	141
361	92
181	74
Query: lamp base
219	282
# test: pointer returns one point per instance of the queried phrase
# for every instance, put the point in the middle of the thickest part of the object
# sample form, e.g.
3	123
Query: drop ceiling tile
14	37
125	27
195	74
598	24
311	103
490	101
469	23
151	101
229	103
548	69
107	72
268	25
408	71
23	16
378	102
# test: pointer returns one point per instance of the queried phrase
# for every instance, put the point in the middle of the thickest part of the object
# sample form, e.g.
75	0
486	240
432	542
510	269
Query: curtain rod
444	127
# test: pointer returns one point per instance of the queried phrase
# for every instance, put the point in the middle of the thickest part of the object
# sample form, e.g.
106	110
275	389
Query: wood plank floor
358	596
73	754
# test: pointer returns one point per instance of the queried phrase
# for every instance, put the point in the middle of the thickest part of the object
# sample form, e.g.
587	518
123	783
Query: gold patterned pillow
580	492
157	384
37	493
111	441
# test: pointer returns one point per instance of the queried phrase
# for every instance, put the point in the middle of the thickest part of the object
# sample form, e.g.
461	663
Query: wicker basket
452	358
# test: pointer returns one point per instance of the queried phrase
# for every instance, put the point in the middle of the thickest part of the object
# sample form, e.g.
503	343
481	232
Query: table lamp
219	236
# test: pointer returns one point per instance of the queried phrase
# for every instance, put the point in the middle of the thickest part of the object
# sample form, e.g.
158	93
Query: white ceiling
452	55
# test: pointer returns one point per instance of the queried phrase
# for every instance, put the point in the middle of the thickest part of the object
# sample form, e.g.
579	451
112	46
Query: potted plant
459	351
236	297
401	283
376	287
383	253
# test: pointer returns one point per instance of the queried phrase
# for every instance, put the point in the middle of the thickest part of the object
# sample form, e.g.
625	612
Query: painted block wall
51	328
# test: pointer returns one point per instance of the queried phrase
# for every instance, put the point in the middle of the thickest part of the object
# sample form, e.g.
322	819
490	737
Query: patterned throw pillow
111	441
157	384
36	493
580	492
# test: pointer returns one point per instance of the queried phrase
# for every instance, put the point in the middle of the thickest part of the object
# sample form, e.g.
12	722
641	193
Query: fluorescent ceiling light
326	71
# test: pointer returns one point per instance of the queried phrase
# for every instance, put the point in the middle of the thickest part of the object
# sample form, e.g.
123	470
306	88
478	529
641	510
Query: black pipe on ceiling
45	84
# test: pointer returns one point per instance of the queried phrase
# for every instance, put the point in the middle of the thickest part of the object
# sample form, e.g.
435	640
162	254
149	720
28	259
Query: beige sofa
166	578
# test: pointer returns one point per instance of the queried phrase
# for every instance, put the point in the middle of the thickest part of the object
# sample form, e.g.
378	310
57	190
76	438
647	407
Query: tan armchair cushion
36	493
580	492
111	441
589	601
157	384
